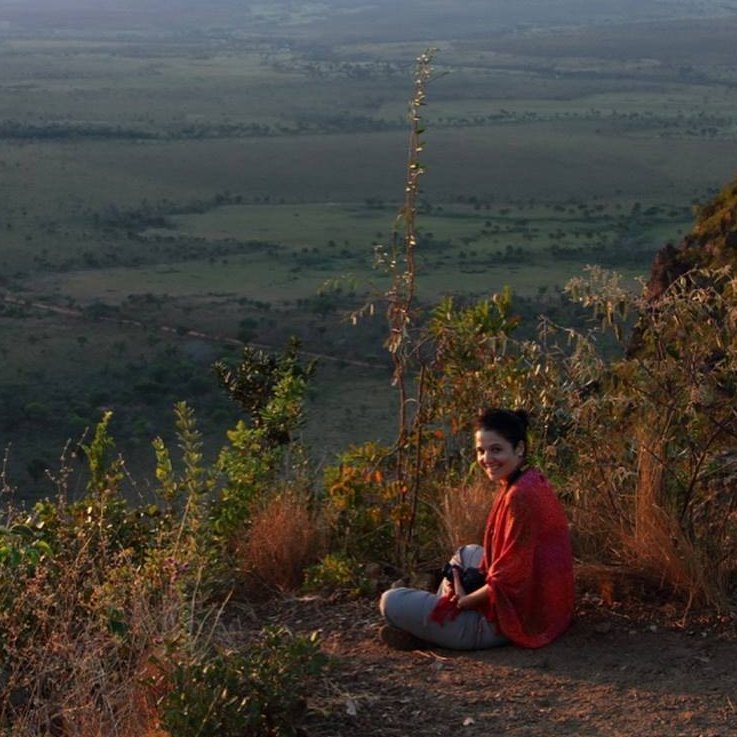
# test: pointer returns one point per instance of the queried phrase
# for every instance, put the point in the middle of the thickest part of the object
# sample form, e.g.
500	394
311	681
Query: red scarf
530	575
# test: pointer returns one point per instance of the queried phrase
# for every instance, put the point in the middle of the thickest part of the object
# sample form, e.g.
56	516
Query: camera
471	578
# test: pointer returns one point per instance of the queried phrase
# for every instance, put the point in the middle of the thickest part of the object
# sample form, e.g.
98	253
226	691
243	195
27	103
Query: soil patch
620	670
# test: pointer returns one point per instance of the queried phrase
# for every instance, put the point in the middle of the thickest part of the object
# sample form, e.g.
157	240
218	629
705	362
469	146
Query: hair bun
523	417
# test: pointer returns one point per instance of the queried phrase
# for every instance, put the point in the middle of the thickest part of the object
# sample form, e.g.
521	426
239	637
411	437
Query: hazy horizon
330	18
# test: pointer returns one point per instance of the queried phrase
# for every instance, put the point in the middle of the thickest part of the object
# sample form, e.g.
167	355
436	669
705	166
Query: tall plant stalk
401	311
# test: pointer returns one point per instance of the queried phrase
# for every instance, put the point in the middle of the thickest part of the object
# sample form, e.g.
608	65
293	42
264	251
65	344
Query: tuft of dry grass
658	544
463	513
644	541
284	537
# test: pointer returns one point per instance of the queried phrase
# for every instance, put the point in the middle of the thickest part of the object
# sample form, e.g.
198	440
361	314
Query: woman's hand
462	601
458	590
474	599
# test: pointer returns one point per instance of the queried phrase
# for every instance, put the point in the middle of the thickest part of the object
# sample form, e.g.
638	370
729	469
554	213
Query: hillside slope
711	243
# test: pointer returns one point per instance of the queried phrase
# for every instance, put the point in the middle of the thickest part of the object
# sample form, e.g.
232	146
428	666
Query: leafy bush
104	609
671	400
339	574
260	692
363	503
271	390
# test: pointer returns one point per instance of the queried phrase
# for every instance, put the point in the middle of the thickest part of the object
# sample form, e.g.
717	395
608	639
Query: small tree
271	390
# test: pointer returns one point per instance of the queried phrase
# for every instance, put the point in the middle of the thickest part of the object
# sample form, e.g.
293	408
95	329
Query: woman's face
496	455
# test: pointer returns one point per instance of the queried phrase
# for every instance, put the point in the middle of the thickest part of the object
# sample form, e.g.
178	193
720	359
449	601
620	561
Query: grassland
178	189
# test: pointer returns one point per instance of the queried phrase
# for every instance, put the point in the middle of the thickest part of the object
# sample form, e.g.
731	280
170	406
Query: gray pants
409	610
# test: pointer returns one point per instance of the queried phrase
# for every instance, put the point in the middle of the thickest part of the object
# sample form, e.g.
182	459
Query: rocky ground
621	670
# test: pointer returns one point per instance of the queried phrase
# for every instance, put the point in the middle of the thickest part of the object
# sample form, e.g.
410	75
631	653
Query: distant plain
235	179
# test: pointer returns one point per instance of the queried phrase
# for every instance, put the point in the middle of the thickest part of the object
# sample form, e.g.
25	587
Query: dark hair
512	425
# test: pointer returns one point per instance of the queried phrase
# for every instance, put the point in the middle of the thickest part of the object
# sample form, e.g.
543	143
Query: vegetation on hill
712	242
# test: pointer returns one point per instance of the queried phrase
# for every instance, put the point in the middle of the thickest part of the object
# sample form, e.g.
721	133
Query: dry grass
283	539
641	540
658	545
78	637
72	678
463	514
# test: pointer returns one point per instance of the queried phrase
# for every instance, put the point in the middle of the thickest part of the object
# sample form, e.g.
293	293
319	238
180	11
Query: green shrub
260	692
339	574
270	389
362	504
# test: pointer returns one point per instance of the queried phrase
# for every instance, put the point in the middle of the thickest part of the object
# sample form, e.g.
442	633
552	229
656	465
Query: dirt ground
621	670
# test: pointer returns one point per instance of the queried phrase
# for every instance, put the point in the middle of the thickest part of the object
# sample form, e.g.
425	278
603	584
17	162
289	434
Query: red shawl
531	575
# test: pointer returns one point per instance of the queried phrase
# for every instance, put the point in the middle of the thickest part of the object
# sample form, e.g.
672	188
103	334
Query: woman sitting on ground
526	564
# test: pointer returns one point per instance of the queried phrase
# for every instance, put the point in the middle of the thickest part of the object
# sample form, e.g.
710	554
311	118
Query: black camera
471	578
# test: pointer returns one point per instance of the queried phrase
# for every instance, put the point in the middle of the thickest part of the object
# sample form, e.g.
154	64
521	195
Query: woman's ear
520	449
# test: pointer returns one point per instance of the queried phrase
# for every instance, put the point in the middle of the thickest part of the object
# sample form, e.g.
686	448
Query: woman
526	560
